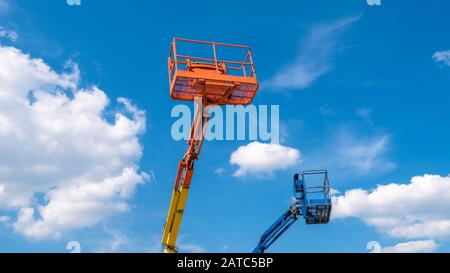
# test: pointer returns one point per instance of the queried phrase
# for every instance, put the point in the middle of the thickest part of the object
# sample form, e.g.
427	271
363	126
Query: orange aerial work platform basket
219	73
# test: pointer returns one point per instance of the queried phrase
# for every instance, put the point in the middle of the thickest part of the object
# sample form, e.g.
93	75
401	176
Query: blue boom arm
277	229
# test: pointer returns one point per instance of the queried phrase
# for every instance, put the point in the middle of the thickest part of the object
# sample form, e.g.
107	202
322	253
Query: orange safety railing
185	70
246	67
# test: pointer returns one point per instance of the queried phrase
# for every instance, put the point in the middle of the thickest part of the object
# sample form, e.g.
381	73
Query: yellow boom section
183	181
176	209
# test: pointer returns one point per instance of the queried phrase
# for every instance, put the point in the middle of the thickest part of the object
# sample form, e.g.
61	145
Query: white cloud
325	110
442	57
419	209
8	34
57	142
262	158
4	7
364	154
425	246
80	205
115	242
315	57
219	171
352	152
364	112
73	2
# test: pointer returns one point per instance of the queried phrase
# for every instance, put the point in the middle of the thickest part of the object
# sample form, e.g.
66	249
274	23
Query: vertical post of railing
175	57
170	68
215	56
244	65
251	61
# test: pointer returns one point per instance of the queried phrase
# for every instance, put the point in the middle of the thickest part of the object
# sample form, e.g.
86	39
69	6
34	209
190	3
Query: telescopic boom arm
183	180
278	228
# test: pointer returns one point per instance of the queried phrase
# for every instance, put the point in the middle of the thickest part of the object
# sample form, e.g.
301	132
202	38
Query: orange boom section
227	80
213	81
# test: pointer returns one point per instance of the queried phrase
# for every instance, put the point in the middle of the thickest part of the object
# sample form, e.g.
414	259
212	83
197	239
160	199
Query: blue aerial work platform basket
312	202
316	207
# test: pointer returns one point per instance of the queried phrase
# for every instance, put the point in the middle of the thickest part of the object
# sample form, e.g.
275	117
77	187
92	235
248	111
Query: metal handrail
183	59
212	60
209	43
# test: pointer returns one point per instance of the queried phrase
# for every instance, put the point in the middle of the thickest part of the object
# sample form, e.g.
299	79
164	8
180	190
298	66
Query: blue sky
360	94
